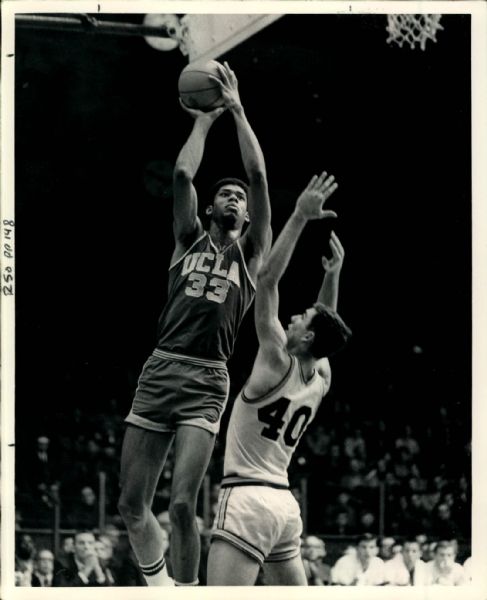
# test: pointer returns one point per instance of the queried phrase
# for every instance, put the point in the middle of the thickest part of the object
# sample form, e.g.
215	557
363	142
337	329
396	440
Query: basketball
196	89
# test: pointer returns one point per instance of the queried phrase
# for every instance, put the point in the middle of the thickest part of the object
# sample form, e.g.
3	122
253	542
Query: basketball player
258	521
184	385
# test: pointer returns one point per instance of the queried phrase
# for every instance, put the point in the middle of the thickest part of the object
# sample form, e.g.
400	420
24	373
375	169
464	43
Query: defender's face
299	325
230	202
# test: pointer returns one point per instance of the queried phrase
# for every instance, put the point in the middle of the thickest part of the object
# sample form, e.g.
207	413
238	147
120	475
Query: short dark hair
410	539
446	544
226	181
366	537
331	333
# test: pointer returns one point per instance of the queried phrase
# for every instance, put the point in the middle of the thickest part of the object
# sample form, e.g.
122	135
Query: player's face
230	203
299	325
411	552
445	557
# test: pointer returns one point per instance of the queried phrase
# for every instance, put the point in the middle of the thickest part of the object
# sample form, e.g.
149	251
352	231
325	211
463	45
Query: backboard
209	36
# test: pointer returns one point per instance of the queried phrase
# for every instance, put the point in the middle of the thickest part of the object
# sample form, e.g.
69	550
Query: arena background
97	126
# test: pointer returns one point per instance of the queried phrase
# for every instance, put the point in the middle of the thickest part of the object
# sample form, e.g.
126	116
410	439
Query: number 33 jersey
264	432
209	293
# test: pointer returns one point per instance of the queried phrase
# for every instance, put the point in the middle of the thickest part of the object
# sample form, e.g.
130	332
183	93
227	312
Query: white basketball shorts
261	521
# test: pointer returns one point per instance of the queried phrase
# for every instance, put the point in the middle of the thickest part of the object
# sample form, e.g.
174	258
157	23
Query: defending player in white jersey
258	520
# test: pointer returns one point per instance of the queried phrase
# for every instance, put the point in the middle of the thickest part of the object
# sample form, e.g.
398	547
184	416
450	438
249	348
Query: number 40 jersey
264	432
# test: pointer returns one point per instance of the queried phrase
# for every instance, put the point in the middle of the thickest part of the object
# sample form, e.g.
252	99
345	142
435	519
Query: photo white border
478	12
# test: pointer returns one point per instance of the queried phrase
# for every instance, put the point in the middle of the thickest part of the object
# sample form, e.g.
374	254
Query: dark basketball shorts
176	390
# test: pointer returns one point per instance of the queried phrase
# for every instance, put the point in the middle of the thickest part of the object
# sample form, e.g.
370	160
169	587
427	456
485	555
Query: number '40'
273	415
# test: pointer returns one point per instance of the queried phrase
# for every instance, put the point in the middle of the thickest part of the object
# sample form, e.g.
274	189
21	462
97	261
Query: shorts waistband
192	360
237	482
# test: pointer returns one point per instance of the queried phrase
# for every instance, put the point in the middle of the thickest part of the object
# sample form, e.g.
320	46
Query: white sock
156	574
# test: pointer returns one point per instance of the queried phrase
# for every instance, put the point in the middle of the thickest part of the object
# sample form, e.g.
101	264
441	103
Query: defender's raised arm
328	294
270	332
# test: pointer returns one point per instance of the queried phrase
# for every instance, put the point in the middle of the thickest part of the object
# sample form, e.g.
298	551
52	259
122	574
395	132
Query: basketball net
412	29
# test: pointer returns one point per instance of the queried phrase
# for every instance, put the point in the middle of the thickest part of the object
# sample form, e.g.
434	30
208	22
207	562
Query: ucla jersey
264	432
208	296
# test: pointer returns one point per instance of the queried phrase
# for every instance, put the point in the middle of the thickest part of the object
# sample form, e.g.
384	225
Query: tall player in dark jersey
258	520
183	387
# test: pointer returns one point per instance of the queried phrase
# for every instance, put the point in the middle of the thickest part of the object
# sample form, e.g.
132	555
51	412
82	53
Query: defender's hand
310	203
334	264
228	85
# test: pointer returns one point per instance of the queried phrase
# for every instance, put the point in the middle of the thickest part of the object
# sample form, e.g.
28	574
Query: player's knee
182	512
133	511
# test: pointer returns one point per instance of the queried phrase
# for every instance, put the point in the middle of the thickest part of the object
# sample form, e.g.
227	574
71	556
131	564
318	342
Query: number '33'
217	293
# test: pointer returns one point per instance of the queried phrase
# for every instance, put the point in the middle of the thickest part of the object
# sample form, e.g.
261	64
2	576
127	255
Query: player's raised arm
258	232
328	294
271	335
186	222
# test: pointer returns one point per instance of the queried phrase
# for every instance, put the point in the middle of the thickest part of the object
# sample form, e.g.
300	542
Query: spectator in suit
85	568
37	468
43	569
104	551
65	556
84	514
121	562
443	525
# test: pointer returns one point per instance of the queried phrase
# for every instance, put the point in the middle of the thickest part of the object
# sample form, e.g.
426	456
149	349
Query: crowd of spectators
351	466
105	559
346	468
414	561
84	559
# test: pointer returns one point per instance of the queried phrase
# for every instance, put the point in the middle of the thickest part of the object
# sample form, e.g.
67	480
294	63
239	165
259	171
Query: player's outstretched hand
310	203
228	85
199	114
334	264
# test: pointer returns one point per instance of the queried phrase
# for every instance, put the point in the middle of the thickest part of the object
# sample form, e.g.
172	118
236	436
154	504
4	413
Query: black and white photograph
242	278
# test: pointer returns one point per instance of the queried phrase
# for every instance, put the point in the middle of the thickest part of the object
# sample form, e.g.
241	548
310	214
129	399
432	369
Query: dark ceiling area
96	117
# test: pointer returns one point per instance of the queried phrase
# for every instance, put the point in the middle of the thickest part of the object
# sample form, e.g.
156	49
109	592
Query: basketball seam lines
215	87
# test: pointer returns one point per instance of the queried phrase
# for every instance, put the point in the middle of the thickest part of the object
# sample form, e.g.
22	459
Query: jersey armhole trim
188	250
245	265
273	390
